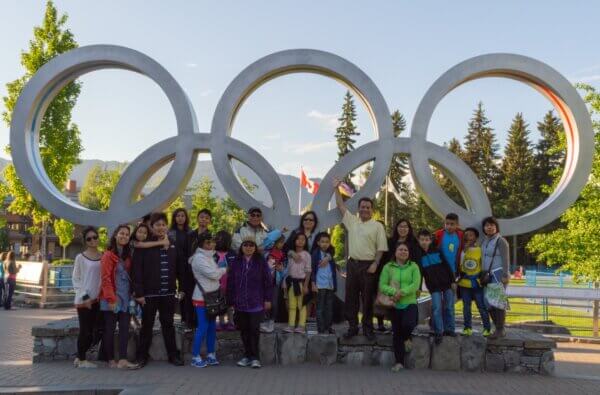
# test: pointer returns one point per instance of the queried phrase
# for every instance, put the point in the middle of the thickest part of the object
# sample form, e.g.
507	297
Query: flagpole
300	192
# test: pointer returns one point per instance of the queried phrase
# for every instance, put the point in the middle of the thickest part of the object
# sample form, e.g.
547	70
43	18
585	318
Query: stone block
67	346
547	363
383	358
48	345
158	351
446	355
291	348
539	343
268	348
510	340
512	358
472	353
530	362
358	340
357	358
322	349
420	355
494	362
384	340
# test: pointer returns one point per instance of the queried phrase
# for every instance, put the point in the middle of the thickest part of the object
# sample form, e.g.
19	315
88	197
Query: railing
46	285
535	278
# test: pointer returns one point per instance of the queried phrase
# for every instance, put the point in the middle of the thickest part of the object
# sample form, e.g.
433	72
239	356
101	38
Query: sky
404	46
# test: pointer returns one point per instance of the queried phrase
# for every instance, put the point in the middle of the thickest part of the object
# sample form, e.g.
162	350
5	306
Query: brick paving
578	371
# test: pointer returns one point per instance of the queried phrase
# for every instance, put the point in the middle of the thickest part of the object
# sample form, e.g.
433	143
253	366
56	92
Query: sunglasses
255	215
247	244
90	238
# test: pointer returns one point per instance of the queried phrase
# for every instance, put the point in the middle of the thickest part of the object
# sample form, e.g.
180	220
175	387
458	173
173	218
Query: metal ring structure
570	107
183	149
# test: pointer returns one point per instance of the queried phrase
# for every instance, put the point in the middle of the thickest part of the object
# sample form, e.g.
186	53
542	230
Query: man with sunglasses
253	229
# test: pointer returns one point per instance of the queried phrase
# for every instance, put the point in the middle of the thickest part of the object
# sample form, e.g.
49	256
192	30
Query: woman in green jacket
400	279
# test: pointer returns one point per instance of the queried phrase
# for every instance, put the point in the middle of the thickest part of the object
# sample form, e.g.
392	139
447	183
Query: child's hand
267	305
505	279
324	262
165	242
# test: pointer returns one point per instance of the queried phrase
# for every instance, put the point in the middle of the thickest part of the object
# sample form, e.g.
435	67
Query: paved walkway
578	371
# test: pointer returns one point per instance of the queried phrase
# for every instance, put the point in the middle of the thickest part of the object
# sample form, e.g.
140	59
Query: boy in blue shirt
450	241
324	280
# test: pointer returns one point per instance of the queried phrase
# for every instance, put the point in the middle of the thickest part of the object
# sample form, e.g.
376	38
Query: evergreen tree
517	170
549	155
345	133
575	246
481	152
60	144
399	165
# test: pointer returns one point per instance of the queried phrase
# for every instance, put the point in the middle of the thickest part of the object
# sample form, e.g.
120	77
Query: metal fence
536	278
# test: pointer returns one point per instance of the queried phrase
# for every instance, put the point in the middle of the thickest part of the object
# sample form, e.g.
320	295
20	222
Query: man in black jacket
154	285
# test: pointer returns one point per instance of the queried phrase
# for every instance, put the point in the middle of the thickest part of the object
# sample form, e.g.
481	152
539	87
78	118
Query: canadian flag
311	186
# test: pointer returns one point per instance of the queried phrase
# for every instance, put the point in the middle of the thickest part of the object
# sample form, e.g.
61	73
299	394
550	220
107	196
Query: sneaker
125	364
498	334
267	326
111	364
397	368
467	332
289	329
211	360
76	362
198	362
438	339
299	329
244	362
87	364
255	364
408	346
486	332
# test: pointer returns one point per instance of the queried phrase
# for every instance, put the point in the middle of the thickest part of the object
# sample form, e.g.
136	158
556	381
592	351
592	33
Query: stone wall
519	352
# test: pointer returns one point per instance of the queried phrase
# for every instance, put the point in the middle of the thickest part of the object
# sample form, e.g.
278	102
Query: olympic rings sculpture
183	149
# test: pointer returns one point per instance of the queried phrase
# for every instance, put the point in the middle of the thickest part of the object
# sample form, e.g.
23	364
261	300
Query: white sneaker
76	362
244	362
255	364
267	326
86	365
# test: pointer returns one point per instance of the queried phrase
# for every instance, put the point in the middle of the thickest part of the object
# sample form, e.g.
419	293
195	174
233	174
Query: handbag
214	302
385	301
485	277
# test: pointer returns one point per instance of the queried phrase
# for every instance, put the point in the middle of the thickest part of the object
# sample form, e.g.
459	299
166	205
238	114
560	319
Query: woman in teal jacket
400	279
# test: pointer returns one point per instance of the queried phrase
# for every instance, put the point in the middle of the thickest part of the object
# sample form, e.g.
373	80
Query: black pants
403	323
249	326
360	289
11	284
165	305
498	316
90	330
325	299
108	339
188	313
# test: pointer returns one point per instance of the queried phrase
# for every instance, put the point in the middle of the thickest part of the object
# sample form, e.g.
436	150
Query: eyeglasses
90	238
247	244
255	215
309	219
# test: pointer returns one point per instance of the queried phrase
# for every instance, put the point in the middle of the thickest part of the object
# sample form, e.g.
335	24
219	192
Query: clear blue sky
403	46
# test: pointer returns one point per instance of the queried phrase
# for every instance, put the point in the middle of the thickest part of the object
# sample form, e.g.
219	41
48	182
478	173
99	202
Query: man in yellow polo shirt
366	244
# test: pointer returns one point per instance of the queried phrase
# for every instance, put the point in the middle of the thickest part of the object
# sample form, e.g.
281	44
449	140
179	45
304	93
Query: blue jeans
443	321
206	328
476	294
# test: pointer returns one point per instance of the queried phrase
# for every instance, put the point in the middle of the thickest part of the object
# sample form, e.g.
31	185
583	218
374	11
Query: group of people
264	275
389	274
8	278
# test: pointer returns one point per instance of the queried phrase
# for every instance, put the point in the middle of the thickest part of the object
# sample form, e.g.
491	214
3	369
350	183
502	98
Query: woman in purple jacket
249	291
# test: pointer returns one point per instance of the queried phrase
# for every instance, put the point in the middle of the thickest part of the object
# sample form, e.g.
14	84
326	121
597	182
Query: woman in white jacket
86	283
207	273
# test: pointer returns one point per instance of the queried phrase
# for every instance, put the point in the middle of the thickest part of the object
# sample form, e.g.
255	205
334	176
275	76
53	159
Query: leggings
206	329
295	302
108	338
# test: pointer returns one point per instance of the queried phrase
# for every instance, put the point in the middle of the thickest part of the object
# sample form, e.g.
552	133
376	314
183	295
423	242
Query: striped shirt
164	272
